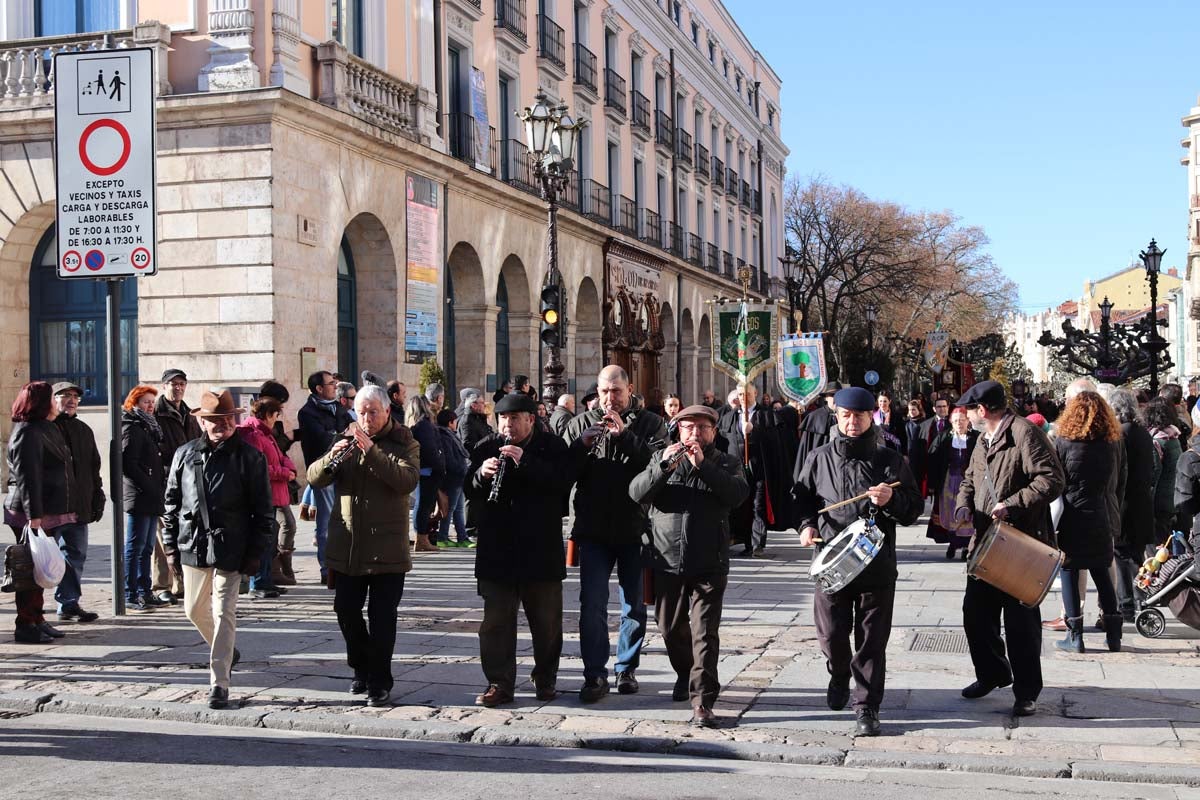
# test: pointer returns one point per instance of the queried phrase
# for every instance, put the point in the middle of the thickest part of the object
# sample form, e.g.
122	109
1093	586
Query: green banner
744	338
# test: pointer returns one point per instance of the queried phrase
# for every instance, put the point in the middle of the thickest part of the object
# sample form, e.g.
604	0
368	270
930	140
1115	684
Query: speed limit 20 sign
104	155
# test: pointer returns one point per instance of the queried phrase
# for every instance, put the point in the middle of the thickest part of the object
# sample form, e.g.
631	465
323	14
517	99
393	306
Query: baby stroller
1170	581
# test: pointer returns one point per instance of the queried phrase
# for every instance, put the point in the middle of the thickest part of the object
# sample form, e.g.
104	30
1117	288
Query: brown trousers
542	601
688	612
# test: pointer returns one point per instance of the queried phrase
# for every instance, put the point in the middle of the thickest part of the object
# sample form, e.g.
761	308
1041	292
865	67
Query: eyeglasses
178	384
330	383
691	426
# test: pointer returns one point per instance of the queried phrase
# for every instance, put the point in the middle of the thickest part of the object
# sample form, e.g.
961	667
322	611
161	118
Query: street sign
104	158
872	377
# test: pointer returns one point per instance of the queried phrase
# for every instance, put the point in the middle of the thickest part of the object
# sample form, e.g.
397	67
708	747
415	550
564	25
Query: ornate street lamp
1152	261
552	136
872	314
1115	354
791	277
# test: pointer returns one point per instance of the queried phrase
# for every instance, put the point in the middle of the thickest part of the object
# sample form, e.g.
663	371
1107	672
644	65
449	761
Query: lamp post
551	135
1106	308
1152	260
791	278
872	314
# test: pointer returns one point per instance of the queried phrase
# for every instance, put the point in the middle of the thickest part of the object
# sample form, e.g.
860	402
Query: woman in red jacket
257	431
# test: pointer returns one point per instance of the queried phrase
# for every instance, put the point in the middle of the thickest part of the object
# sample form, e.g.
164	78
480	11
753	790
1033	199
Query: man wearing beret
852	463
86	499
690	487
519	560
1014	475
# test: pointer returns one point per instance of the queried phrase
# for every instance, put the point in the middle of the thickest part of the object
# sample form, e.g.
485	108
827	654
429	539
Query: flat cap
854	398
989	394
512	403
66	386
697	411
173	373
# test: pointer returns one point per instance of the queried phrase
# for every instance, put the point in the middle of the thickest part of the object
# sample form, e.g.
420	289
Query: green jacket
368	530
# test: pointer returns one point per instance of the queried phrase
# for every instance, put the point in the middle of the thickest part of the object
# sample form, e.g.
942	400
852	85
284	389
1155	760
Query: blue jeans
139	544
457	515
262	579
323	499
596	563
73	541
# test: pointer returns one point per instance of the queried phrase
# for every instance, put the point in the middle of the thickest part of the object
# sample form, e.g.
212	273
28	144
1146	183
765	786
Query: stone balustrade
350	84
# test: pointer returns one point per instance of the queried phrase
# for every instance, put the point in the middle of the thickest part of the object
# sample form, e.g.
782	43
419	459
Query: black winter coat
320	424
178	426
1137	508
1187	491
458	461
432	456
473	429
87	496
520	535
230	480
769	458
816	429
847	467
40	473
1084	531
143	477
689	511
604	512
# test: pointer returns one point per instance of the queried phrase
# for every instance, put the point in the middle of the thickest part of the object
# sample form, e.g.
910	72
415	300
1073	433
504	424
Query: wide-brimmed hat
217	405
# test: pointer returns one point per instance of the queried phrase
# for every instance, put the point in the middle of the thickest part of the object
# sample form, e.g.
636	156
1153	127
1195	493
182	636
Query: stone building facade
343	186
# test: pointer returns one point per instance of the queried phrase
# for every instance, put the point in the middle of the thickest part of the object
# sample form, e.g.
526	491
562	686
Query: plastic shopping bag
48	562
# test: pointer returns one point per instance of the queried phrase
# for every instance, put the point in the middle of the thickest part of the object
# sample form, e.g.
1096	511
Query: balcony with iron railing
764	282
650	229
585	67
516	165
552	42
510	17
614	92
675	240
718	174
683	147
727	264
464	142
627	216
712	258
756	207
747	200
663	129
731	182
703	164
640	107
596	201
695	250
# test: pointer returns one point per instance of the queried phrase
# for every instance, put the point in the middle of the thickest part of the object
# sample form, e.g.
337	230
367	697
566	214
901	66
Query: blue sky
1054	125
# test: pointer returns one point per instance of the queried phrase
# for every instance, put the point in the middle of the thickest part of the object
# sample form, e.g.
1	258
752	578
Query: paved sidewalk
1133	715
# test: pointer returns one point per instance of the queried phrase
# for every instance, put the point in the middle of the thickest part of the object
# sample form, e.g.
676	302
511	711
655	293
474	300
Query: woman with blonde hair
1089	438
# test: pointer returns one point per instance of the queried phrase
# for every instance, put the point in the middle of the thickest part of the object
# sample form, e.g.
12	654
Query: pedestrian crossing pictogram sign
104	157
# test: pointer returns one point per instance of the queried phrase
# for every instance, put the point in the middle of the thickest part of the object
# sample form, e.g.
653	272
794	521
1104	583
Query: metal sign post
105	216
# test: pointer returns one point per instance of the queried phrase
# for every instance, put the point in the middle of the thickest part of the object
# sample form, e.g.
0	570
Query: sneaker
218	697
167	597
77	613
154	601
494	696
138	606
379	698
868	722
593	690
626	682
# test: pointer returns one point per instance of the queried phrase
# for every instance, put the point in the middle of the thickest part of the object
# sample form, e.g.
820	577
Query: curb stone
1133	772
137	709
627	744
25	701
748	751
1020	767
525	737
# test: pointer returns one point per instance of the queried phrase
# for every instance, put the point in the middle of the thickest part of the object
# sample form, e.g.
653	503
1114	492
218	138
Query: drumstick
854	499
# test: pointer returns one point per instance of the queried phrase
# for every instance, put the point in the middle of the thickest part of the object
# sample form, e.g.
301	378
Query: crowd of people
660	492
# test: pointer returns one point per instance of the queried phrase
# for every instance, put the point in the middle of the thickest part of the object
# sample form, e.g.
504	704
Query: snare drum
1015	563
845	558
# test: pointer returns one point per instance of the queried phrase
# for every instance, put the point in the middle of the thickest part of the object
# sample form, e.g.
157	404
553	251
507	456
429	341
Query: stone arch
670	352
471	319
377	298
588	336
704	369
522	321
688	392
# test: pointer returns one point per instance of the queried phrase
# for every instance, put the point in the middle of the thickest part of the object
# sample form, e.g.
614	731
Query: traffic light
552	316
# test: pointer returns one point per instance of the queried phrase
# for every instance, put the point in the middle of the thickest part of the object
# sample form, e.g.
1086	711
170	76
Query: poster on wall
479	111
423	247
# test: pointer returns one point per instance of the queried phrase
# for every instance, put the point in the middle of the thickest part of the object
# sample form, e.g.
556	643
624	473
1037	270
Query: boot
1074	641
277	577
424	545
287	577
1112	631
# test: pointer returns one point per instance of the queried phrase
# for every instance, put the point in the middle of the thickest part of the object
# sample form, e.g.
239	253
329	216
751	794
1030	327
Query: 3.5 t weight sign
105	163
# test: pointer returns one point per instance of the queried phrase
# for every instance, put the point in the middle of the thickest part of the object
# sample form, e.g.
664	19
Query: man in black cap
519	554
1014	475
854	463
86	500
690	487
179	427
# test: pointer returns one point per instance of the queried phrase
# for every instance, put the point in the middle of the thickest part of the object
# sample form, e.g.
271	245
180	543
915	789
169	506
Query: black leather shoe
593	689
237	656
167	598
218	697
680	692
379	698
154	601
703	717
980	689
1024	708
50	630
31	634
546	692
264	594
358	686
868	722
626	682
837	695
75	612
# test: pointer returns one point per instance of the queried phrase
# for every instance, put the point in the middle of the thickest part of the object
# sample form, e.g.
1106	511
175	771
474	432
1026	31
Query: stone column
427	121
285	36
524	345
157	36
475	345
231	56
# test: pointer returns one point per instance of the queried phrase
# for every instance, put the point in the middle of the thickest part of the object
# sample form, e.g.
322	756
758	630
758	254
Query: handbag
18	569
49	566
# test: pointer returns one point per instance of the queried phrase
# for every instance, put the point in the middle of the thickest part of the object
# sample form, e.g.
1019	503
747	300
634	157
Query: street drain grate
14	714
939	643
